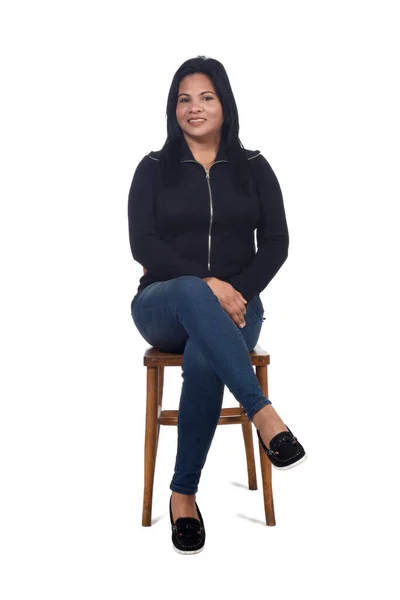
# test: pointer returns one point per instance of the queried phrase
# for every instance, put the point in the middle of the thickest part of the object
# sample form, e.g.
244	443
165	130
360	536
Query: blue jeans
184	315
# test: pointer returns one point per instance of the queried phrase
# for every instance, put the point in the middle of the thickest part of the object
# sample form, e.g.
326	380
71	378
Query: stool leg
150	443
266	467
249	447
267	487
160	389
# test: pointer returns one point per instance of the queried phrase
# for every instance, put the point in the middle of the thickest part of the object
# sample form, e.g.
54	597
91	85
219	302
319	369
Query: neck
203	146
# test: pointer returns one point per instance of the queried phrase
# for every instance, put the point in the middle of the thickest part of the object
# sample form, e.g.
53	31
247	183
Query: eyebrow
185	94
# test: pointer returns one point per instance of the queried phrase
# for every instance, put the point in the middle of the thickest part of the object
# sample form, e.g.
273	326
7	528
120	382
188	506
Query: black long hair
169	155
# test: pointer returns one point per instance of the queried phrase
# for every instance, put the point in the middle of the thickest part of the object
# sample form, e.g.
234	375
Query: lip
203	119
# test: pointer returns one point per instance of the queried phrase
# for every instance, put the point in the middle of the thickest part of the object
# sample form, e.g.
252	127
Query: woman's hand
230	299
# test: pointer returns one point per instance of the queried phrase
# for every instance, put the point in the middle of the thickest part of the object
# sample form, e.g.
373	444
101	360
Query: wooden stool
155	361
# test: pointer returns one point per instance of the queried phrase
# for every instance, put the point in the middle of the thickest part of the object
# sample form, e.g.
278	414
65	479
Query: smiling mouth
200	120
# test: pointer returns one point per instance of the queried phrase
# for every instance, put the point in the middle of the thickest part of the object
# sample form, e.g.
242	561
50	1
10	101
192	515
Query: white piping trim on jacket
249	158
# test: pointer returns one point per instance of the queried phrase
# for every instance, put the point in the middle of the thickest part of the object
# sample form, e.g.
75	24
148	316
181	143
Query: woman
193	209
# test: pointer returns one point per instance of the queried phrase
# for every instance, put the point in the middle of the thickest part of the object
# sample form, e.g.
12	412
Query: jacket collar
186	153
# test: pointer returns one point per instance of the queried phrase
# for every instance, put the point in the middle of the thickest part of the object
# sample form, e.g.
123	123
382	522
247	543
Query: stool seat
156	358
155	361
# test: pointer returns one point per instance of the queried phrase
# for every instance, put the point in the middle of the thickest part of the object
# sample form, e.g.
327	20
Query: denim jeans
184	315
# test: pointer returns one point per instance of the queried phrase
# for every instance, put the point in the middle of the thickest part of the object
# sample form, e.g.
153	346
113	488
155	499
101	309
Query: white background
84	96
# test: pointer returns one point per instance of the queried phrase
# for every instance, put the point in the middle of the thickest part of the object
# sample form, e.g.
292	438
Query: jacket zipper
211	204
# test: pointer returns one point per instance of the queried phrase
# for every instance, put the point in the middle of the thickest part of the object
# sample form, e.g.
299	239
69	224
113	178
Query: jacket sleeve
272	236
147	246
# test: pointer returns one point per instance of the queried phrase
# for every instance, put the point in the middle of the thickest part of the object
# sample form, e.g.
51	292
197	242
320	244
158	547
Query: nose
195	109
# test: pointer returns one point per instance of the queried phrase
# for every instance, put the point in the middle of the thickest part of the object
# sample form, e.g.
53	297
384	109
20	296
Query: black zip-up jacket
204	227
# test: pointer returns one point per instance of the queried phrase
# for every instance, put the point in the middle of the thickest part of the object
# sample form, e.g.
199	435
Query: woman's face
197	99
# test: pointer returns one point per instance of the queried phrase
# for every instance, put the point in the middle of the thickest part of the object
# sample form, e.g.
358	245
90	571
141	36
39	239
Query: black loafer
284	450
188	534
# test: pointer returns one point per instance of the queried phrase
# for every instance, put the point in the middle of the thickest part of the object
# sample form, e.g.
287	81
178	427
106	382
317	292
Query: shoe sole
187	551
290	466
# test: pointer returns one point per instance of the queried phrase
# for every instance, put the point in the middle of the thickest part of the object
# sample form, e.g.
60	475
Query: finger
240	317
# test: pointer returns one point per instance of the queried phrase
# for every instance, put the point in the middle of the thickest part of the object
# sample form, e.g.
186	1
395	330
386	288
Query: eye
184	99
